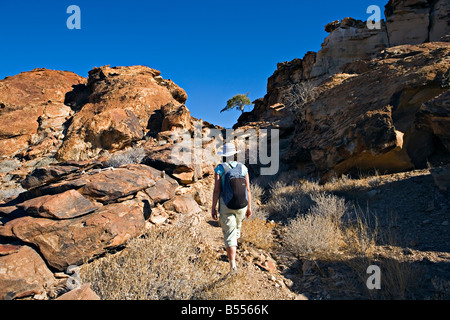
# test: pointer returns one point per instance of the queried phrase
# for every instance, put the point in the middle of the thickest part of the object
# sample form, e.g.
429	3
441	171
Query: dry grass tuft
326	227
131	155
360	235
258	232
11	192
162	264
287	201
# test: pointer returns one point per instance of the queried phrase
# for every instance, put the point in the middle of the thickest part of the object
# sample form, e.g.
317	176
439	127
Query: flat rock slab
108	185
47	174
66	205
71	242
22	272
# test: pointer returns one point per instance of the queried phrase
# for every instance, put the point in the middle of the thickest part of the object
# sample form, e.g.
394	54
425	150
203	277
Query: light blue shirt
220	168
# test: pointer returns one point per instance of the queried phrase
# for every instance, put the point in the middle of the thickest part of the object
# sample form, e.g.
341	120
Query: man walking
232	191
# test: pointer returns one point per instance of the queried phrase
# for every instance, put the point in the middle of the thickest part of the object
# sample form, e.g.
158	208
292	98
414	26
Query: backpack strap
225	168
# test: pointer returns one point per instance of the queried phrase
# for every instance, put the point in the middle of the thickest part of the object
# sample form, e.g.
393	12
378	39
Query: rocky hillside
86	165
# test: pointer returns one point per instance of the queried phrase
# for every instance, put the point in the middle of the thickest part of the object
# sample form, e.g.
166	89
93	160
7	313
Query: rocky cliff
417	21
360	125
364	101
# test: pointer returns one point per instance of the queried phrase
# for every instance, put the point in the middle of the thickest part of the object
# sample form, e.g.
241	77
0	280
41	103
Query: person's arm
249	195
216	195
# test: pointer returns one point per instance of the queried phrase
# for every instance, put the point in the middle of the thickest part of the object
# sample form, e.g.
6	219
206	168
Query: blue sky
213	49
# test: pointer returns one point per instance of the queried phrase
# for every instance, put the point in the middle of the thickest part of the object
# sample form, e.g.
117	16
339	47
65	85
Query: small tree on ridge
239	101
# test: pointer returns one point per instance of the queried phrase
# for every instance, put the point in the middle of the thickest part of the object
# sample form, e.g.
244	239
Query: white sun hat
228	150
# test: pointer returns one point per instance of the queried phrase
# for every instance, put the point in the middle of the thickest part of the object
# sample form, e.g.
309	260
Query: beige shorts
231	222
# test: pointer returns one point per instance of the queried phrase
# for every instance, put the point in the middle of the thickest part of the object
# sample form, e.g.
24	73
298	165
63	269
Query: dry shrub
256	193
301	94
162	264
345	185
310	235
11	192
287	201
317	233
330	206
132	155
258	232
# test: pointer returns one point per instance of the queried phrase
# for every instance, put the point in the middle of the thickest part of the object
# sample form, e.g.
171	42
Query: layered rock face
361	125
363	90
385	114
73	213
417	21
349	40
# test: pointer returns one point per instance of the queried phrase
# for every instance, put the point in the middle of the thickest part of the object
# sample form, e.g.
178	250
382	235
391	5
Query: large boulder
163	190
54	172
66	205
120	105
186	155
185	204
434	117
108	186
36	87
32	111
33	120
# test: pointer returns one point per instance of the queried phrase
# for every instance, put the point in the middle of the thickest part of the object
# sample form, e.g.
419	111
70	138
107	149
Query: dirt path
254	281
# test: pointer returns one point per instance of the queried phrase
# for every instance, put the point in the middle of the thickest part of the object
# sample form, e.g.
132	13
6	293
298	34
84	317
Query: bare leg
231	253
